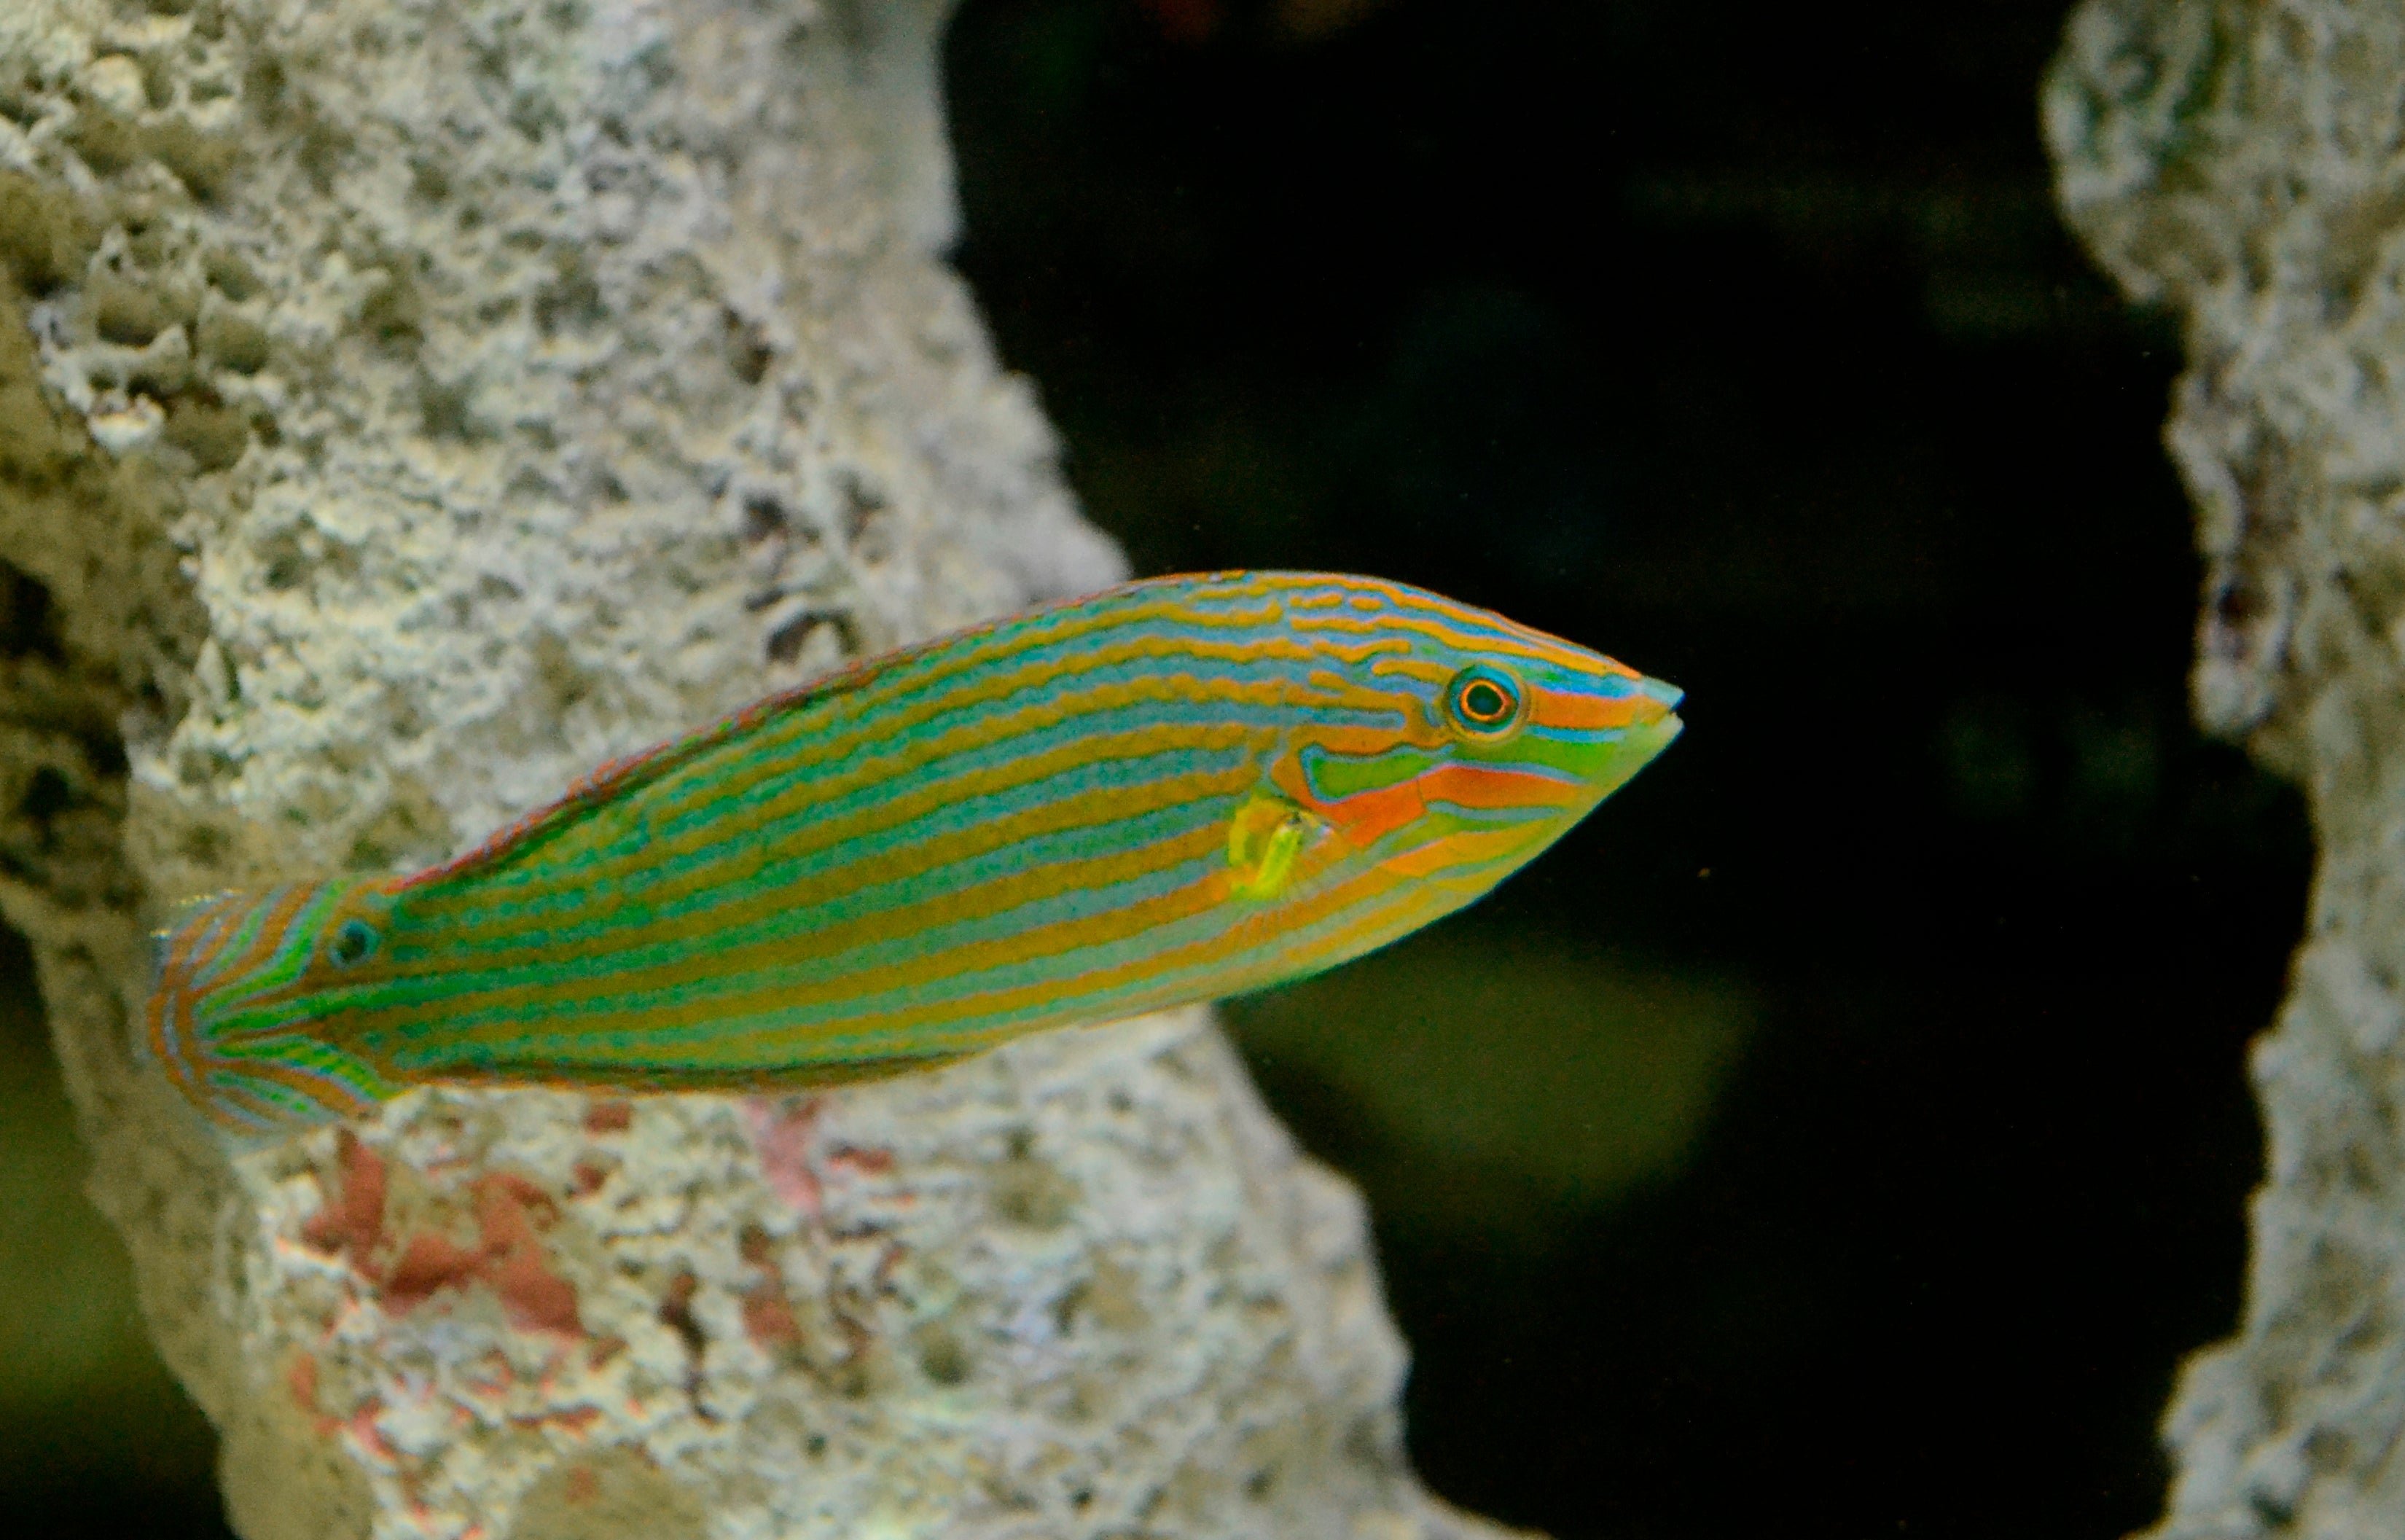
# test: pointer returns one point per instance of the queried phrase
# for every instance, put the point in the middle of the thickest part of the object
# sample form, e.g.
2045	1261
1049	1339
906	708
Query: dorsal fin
596	785
626	774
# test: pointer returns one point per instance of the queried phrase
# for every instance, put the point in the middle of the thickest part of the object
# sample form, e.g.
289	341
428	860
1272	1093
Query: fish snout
1605	735
1656	699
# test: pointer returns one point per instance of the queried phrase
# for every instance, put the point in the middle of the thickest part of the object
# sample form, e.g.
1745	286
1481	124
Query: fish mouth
1659	699
1653	718
1652	726
1649	735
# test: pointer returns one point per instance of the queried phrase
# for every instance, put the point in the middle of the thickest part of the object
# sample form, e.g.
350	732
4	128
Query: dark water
1845	1132
95	1440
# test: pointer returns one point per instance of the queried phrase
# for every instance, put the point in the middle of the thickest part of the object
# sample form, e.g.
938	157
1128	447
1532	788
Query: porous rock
405	405
2242	164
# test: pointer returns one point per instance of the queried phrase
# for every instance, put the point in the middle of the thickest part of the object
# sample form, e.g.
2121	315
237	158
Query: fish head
1495	739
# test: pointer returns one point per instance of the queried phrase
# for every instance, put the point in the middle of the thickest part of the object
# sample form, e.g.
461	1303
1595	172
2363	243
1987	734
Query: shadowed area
1744	344
98	1439
1584	1079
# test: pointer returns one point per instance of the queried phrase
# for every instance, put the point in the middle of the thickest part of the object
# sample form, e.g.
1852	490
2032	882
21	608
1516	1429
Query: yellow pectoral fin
1266	838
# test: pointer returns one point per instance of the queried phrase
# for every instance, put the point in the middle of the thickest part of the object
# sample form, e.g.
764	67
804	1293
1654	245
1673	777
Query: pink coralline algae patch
768	1317
576	1419
781	1131
875	1163
498	1376
506	1257
352	1221
788	1136
427	1263
361	1424
303	1379
510	1210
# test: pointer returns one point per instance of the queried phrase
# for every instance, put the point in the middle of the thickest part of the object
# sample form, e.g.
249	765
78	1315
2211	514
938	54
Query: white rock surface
405	405
2242	163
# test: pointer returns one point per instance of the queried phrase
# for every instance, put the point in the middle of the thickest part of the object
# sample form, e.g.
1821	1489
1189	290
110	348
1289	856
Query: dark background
1744	343
1843	1132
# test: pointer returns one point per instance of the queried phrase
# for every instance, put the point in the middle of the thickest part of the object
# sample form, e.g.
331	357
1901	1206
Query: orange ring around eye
1482	700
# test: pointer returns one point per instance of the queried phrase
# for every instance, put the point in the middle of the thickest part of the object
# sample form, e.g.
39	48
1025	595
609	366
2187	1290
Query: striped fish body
1174	791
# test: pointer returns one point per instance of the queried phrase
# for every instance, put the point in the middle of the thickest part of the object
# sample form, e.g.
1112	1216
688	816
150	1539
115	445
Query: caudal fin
232	1024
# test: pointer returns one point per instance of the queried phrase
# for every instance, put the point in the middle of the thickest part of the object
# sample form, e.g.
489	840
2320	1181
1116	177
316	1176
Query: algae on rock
407	405
2243	163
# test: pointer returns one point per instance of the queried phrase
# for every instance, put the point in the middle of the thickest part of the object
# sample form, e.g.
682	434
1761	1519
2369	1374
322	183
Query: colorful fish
1172	791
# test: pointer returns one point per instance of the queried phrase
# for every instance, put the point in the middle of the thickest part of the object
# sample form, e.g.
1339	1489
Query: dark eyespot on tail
354	943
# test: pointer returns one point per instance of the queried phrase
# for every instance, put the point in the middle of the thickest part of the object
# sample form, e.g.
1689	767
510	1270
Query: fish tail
232	1024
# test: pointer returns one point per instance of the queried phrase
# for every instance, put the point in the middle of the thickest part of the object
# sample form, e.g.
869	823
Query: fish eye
354	941
1484	702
